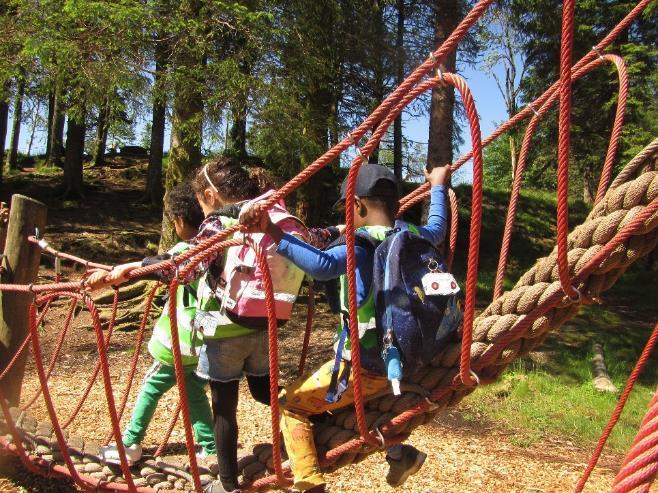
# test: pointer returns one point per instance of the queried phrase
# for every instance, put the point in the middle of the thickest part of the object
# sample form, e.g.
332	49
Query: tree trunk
399	77
238	131
154	189
16	124
187	121
4	120
49	122
589	186
33	127
56	121
439	148
322	185
74	155
512	153
101	133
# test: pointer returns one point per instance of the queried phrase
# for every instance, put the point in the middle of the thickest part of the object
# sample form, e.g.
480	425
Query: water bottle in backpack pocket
416	306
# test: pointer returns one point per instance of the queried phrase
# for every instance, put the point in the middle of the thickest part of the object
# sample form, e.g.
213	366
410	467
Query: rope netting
622	227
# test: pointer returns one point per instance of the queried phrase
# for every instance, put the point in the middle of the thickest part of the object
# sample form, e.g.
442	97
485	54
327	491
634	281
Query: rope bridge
621	228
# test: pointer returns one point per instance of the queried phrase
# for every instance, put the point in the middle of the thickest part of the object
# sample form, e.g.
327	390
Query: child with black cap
375	208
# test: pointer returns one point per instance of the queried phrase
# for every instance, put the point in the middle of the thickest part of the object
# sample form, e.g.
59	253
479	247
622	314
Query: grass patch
551	394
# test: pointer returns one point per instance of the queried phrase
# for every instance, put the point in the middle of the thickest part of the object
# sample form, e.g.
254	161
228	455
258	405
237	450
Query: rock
93	467
44	430
42	449
165	485
98	475
29	423
147	470
205	479
140	482
108	470
79	467
245	460
180	484
252	470
156	478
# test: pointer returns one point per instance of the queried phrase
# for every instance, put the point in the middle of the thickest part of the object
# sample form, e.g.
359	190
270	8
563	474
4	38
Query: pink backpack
244	294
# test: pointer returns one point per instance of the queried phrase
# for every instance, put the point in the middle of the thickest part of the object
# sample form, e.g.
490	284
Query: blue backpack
417	310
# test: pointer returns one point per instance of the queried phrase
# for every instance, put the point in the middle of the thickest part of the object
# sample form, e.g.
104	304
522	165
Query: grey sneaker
217	487
403	460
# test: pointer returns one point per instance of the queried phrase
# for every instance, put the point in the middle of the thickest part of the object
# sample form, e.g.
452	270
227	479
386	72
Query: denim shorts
225	360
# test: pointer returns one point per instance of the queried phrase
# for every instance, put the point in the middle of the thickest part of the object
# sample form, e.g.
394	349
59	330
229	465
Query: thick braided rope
638	471
649	152
525	149
619	231
632	378
421	192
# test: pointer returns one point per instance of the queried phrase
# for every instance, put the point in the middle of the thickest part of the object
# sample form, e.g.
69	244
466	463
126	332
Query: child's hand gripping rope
101	279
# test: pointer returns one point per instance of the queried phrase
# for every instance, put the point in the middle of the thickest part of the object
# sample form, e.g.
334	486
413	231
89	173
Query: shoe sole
418	463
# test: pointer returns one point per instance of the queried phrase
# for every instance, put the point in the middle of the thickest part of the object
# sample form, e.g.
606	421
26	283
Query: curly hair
232	179
182	202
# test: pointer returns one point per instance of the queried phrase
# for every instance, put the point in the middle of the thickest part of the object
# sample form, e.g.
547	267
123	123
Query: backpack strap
338	385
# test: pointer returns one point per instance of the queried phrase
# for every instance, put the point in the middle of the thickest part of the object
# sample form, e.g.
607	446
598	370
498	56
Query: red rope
272	329
638	471
564	141
170	430
180	380
421	192
136	354
97	368
525	149
56	351
45	246
630	383
310	312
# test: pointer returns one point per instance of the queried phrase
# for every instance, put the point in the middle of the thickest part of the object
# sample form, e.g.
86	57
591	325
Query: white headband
205	173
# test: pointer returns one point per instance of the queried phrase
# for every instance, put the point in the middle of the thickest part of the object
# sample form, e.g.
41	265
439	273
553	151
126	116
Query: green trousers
157	381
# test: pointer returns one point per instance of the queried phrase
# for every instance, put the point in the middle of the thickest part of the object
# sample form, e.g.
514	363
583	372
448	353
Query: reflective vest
159	345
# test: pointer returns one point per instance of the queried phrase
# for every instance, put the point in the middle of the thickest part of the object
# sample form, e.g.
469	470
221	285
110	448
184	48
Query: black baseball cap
373	180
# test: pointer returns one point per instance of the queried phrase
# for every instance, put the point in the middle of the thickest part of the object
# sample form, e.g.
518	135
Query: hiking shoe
403	460
217	487
110	453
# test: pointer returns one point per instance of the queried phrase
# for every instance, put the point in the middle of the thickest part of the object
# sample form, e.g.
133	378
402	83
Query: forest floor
489	443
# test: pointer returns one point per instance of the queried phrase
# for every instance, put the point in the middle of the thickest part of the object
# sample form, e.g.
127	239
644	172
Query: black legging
225	422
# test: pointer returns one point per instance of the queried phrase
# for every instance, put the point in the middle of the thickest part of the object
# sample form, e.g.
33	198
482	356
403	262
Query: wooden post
21	266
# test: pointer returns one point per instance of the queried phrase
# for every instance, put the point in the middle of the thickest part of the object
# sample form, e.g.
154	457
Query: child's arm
437	219
101	279
321	265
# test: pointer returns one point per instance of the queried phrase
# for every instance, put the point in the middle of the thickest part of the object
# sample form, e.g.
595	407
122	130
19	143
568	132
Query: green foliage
595	96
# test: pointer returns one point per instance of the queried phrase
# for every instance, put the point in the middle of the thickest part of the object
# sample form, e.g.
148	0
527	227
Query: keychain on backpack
392	362
437	283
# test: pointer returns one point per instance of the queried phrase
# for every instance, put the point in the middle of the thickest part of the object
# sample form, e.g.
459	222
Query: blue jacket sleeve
437	219
321	265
